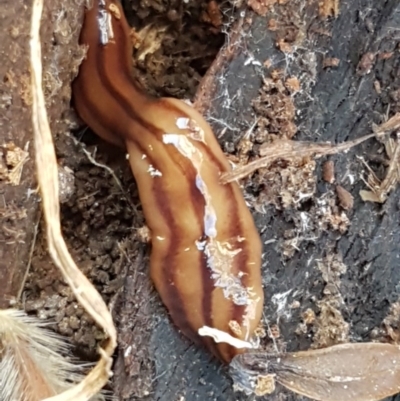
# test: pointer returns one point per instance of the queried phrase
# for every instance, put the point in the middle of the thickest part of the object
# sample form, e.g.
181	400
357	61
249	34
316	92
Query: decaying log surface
19	199
327	279
348	67
19	202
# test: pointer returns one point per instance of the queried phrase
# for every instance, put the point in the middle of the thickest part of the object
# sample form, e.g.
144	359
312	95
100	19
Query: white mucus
104	24
153	171
183	122
220	255
220	336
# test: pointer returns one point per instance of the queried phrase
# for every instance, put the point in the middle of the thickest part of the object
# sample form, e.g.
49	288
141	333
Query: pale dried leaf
368	196
346	372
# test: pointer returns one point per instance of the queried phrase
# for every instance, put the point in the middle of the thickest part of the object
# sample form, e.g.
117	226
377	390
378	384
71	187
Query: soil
289	69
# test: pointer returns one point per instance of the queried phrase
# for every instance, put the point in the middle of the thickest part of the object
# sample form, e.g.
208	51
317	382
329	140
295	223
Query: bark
335	104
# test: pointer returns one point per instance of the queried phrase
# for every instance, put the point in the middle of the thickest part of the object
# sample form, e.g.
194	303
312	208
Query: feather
32	362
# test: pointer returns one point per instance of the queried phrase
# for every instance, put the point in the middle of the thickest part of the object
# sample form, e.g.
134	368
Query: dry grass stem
48	181
288	149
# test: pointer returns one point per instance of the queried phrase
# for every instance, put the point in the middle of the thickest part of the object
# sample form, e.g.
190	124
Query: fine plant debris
289	149
345	372
379	189
12	160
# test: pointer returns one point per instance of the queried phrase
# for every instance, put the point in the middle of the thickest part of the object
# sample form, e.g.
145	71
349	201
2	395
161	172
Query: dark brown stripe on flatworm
127	104
121	70
94	114
207	283
204	148
168	272
198	203
197	200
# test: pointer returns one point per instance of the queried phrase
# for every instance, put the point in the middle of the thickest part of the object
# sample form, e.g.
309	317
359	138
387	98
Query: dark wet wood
342	105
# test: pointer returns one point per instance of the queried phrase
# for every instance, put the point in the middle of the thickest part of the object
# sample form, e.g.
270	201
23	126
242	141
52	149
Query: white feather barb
33	365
